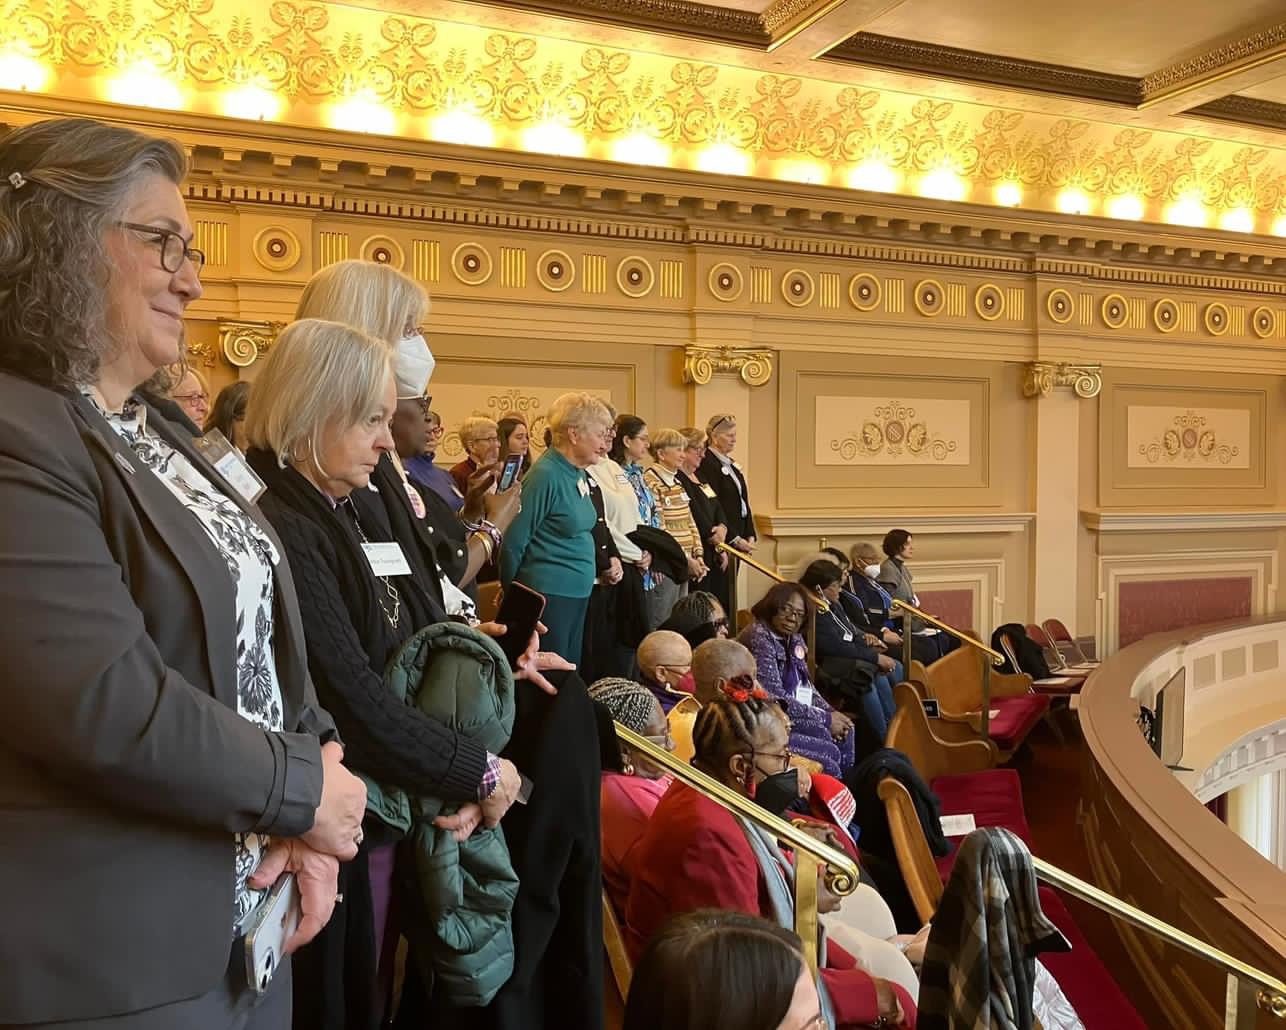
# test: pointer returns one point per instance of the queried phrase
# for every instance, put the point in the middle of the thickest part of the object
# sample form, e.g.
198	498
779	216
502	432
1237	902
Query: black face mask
778	792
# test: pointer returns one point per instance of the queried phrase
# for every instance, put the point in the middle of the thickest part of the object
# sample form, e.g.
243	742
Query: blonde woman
317	428
672	499
480	438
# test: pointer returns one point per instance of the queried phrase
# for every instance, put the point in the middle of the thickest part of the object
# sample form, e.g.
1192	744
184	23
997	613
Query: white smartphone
275	924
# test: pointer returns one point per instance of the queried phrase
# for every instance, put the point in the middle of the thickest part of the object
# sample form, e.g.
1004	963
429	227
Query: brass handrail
996	657
1273	994
817	599
842	874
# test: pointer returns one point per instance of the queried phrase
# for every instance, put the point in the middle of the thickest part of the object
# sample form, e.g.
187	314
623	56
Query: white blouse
250	557
620	506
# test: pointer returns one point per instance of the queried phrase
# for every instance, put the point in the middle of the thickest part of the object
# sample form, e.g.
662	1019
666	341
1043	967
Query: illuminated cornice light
638	148
1009	194
1188	210
553	137
254	103
1239	219
874	174
810	172
142	85
464	126
1279	225
1128	207
363	113
943	184
724	159
22	73
1073	201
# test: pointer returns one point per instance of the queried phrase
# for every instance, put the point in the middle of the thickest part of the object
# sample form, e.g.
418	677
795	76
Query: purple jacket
780	665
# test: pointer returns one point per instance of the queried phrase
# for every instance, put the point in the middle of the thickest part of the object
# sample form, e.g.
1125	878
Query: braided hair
726	726
630	703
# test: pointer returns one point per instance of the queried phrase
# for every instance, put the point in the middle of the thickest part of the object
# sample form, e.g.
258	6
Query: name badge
726	471
708	490
231	465
804	695
801	652
848	637
386	559
583	487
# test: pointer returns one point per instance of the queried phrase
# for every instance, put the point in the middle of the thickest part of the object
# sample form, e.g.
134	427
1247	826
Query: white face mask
413	365
871	571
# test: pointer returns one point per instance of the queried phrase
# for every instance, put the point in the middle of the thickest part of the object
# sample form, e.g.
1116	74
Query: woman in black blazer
162	755
707	512
726	478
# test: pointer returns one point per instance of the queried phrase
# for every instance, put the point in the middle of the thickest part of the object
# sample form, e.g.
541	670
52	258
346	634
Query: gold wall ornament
1189	439
865	291
701	363
1114	310
895	430
635	276
471	263
277	249
1043	377
383	250
798	288
1060	306
1263	321
243	342
1215	317
989	302
1165	315
930	298
555	270
726	282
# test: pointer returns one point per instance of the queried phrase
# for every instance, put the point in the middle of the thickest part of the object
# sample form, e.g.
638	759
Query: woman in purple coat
817	731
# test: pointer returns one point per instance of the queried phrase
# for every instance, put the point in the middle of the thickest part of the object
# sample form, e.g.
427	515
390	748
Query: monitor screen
1170	703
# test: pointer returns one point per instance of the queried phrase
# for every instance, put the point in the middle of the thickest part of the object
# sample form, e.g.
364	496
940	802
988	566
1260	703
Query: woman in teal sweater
549	546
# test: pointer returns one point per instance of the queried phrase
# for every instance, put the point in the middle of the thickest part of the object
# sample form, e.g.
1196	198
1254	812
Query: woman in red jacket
694	855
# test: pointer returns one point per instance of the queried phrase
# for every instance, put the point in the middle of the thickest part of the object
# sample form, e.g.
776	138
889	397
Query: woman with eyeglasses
192	395
630	792
818	732
694	855
163	757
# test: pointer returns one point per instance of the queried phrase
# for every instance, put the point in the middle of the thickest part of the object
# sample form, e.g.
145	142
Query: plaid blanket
979	963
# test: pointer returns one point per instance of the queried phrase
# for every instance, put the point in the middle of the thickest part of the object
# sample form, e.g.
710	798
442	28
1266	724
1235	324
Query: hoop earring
628	768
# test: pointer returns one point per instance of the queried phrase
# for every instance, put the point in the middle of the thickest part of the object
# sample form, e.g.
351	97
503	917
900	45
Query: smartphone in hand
513	465
519	612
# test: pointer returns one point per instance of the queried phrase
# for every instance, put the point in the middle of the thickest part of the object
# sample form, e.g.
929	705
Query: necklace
389	589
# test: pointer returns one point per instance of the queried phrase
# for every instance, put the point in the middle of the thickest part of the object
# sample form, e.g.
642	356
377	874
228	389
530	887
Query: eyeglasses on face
174	248
789	612
784	757
425	404
192	398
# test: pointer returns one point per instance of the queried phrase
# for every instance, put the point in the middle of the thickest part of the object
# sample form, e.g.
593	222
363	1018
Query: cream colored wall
874	350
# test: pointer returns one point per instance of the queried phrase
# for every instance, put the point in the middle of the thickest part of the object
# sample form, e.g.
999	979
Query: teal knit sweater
549	546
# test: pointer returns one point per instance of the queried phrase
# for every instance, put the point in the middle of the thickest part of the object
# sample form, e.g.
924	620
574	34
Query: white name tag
848	637
804	695
583	487
958	825
708	490
386	559
231	465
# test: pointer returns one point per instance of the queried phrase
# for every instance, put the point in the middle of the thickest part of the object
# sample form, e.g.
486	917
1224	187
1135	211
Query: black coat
668	557
707	513
724	479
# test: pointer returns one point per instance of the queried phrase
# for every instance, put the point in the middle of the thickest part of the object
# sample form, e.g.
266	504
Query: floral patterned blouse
250	557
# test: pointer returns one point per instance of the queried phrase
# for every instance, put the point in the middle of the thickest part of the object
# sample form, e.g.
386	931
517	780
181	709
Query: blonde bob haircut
579	411
693	437
317	373
377	299
666	438
475	427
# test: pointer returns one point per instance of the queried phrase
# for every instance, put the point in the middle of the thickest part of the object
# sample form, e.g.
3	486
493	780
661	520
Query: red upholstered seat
1015	718
1096	997
994	797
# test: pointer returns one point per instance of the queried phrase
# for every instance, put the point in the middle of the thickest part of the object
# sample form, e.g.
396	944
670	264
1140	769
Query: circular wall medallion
1216	318
635	276
726	281
865	291
471	264
1114	311
989	302
930	298
1059	306
798	288
383	250
555	270
1165	315
1264	322
277	249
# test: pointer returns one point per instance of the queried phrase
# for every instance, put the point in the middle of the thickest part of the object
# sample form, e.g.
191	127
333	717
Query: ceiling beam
1227	69
821	25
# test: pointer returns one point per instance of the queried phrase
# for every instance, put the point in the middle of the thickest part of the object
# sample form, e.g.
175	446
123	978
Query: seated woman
710	969
629	795
850	657
694	855
928	643
699	617
818	732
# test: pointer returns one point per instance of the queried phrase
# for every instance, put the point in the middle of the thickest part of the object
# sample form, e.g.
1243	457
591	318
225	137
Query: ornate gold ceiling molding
241	343
316	59
1043	378
701	364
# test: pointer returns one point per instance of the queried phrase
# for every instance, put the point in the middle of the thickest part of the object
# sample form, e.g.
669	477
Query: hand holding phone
509	474
273	926
519	613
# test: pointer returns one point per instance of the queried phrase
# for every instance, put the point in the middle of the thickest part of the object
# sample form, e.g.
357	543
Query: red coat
694	855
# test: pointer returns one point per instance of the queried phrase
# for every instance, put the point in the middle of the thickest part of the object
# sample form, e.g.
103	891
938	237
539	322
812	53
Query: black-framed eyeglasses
174	249
797	614
719	624
784	757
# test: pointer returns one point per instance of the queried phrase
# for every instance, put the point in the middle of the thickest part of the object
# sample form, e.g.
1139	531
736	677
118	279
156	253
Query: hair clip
742	688
16	180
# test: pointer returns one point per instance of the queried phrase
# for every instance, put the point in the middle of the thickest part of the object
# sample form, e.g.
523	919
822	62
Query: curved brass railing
811	855
990	657
822	604
1250	988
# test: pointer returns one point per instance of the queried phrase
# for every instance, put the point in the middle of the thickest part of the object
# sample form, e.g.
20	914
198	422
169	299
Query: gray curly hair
63	182
630	703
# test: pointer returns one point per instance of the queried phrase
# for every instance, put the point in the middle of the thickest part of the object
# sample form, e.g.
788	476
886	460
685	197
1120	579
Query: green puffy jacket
462	933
